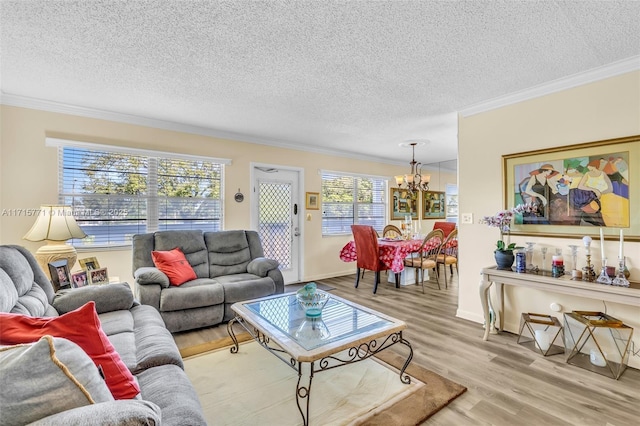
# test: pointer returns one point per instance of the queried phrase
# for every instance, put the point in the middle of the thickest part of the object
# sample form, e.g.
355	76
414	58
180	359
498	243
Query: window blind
352	199
115	195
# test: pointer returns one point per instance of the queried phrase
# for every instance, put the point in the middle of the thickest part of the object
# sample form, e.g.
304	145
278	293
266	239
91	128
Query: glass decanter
543	250
529	256
574	256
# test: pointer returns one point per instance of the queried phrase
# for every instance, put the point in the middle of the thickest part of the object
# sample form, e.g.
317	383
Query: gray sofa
137	333
230	267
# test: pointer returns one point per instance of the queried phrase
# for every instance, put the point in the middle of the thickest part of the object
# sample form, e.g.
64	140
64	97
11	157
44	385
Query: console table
544	281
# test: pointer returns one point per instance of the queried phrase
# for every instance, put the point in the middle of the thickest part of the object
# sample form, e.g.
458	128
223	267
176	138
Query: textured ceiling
354	77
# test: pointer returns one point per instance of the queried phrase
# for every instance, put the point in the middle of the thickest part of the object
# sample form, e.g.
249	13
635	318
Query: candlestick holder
588	273
604	277
575	273
620	279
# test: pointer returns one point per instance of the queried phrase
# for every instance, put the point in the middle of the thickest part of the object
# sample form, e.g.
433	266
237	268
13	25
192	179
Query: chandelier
416	181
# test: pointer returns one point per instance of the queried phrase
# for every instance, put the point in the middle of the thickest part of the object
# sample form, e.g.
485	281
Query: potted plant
502	221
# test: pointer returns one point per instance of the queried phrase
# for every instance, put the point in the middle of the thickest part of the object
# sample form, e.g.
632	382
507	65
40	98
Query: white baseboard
471	316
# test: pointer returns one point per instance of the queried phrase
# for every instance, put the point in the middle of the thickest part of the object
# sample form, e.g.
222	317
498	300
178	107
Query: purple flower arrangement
502	220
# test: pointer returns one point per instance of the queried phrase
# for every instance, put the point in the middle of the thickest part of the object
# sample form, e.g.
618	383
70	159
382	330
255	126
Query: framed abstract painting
577	189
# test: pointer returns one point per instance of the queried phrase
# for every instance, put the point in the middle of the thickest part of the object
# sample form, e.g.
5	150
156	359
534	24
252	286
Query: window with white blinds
115	195
352	199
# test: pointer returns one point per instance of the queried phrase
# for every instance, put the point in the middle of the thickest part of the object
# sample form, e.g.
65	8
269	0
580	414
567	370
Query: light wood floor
507	383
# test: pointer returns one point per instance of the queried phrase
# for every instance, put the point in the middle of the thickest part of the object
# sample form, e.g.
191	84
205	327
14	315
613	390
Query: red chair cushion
446	227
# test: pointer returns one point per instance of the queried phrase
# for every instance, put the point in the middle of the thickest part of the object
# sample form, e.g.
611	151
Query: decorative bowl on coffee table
312	303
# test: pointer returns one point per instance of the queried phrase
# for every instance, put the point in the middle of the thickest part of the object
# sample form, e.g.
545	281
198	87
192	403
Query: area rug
254	387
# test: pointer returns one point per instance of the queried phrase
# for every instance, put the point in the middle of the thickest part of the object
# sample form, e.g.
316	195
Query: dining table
392	251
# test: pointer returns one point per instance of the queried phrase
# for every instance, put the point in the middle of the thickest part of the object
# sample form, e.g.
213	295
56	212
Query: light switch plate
466	217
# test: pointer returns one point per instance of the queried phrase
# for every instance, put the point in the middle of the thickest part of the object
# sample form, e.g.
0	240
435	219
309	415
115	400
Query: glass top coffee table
345	333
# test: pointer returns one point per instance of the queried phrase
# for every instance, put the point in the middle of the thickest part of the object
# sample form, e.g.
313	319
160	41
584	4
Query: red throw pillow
82	327
174	265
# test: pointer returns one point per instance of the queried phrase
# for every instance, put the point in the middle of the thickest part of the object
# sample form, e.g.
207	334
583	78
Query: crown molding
57	107
611	70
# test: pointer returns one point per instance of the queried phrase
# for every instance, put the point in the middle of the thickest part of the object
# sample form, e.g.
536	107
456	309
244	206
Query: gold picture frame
89	263
433	205
577	189
312	201
403	203
98	276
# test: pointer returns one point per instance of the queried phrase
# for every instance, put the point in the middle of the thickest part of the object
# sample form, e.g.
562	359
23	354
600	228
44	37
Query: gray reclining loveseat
230	267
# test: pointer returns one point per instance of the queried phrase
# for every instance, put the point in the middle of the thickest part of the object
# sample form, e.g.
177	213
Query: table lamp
55	224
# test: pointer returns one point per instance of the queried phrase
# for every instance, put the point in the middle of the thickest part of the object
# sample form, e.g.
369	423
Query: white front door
275	214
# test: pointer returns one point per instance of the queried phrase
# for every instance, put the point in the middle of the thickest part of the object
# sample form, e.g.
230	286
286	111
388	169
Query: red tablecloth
392	253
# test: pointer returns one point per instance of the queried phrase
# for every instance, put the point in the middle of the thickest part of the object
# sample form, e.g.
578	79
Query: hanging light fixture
416	181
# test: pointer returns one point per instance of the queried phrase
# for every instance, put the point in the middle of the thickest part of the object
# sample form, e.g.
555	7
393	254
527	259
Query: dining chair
448	255
367	253
446	227
391	231
425	257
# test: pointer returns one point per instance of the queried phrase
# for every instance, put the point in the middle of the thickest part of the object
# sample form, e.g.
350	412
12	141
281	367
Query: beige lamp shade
55	224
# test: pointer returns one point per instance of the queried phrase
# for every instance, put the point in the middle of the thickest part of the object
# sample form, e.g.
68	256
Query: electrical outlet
466	217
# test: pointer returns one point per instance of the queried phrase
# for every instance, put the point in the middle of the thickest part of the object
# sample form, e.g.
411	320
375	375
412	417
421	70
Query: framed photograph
313	201
576	189
59	271
433	205
79	279
89	263
403	204
98	276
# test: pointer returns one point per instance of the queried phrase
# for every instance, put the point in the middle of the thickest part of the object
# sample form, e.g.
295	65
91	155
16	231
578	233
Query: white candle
621	254
596	358
543	340
601	244
586	240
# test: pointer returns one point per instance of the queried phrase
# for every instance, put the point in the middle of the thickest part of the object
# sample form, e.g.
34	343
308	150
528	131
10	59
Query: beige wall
603	110
28	171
